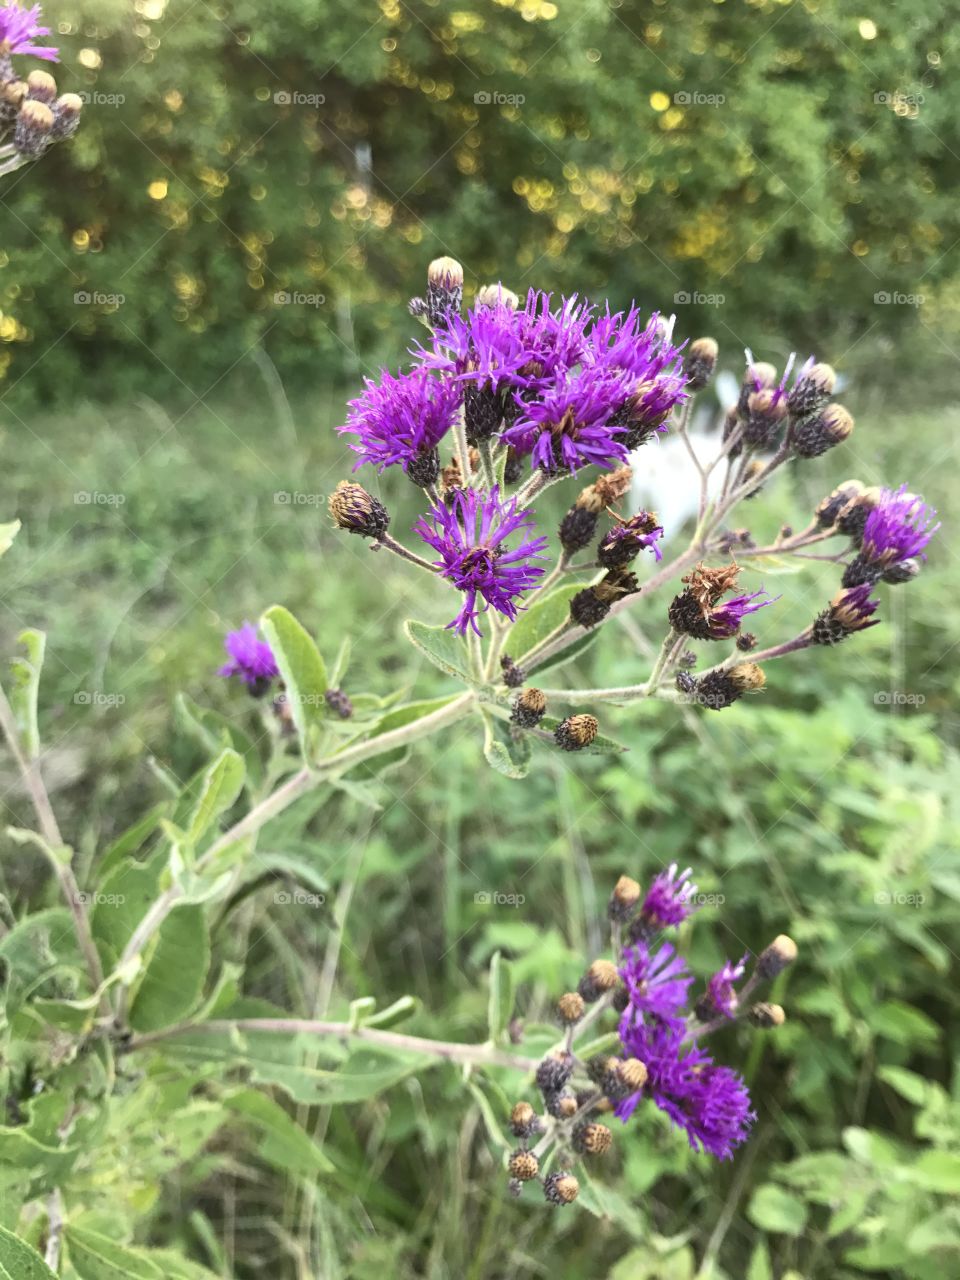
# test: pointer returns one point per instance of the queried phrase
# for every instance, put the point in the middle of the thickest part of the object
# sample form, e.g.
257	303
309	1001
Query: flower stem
398	549
33	781
470	1054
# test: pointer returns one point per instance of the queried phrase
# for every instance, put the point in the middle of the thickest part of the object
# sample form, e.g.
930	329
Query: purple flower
669	898
710	1103
721	996
627	538
656	982
899	528
19	27
569	425
250	658
399	419
469	537
724	620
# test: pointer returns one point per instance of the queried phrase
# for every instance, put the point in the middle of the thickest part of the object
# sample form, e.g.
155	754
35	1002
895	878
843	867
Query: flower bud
490	295
577	528
32	132
561	1187
524	1121
512	675
812	390
766	412
66	114
591	1139
815	435
719	689
12	95
562	1104
633	1073
746	641
524	1166
850	610
554	1072
700	362
600	977
830	508
589	607
339	703
627	539
853	518
766	1016
357	511
576	732
781	953
624	900
444	289
41	87
570	1008
529	708
424	468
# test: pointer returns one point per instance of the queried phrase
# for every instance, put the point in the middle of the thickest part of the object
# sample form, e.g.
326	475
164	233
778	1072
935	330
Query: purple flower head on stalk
721	996
620	340
399	419
250	658
657	982
469	538
724	620
484	347
899	528
757	378
19	28
710	1103
569	426
669	899
627	538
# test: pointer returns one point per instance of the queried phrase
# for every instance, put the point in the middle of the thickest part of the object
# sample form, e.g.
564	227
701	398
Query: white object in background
666	481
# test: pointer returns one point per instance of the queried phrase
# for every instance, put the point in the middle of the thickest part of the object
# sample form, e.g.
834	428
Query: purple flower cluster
400	419
251	659
469	538
724	620
19	28
573	389
709	1102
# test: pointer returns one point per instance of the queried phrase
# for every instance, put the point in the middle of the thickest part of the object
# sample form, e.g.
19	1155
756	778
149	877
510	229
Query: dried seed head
624	899
561	1187
781	953
357	511
524	1166
610	488
592	1139
766	1016
577	528
570	1008
576	732
524	1121
700	362
529	708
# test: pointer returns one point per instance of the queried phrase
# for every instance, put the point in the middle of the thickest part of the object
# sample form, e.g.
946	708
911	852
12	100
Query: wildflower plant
33	115
498	405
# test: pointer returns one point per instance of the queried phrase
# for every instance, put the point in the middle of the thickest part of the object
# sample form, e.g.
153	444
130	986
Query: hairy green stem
472	1054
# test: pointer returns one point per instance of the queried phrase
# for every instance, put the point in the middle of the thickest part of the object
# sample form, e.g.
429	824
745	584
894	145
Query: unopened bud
624	900
766	1016
492	295
700	362
570	1008
592	1139
524	1166
600	977
444	289
633	1073
817	434
554	1072
812	390
781	953
524	1121
41	87
513	676
32	132
561	1187
66	115
357	511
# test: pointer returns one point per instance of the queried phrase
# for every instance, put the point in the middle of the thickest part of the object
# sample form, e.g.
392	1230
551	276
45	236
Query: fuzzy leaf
19	1262
301	667
443	647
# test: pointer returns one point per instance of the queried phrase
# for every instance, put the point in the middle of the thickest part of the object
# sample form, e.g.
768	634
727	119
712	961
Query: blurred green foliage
780	165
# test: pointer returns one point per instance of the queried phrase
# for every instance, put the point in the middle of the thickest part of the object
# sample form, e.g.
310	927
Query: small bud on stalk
766	1016
624	900
529	708
830	509
602	975
513	676
815	435
357	511
33	127
524	1121
780	954
812	390
591	1139
339	703
524	1166
719	689
700	362
561	1187
444	289
570	1008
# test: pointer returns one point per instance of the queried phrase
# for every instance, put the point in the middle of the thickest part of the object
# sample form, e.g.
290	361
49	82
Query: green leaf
409	712
773	1209
174	1267
8	532
174	979
938	1171
443	647
537	622
25	687
285	1145
509	754
221	788
341	663
566	655
500	1007
600	746
17	1260
96	1257
302	668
